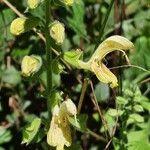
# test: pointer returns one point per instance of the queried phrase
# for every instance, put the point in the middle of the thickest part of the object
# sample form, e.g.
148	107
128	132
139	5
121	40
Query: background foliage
126	109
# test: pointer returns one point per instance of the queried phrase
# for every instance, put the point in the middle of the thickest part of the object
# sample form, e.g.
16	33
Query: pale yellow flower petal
30	65
104	74
112	43
57	32
18	26
32	4
68	2
22	24
59	134
68	107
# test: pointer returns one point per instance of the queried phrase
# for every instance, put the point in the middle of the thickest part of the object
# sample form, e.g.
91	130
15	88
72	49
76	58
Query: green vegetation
64	86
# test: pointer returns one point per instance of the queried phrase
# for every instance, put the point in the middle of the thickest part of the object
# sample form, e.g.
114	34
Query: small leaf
31	130
11	76
80	122
57	67
138	108
76	21
41	133
138	140
121	100
72	57
102	92
5	135
136	117
115	112
145	105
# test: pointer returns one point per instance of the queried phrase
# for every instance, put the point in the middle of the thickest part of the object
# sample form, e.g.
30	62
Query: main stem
48	55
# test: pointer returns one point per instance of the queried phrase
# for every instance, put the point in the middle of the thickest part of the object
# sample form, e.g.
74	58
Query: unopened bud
69	107
68	2
22	24
32	4
57	32
30	65
18	26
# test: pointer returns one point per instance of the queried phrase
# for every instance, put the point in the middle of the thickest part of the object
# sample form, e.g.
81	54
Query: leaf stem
84	87
48	55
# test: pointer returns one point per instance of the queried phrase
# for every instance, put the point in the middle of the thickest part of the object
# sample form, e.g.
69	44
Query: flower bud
18	26
30	65
32	4
68	2
22	24
68	107
57	32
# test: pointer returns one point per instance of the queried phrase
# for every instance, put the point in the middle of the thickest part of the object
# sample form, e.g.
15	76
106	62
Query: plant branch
104	122
134	66
95	135
84	87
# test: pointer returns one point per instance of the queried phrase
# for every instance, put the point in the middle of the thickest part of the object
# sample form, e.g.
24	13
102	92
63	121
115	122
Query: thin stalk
84	87
104	23
95	135
48	55
104	122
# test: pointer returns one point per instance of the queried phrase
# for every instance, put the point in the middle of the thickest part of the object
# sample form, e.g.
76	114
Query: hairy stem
48	55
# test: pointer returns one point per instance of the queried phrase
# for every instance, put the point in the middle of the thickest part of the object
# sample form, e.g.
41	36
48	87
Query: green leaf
115	112
1	148
145	105
102	92
5	135
121	100
40	135
31	130
138	108
11	76
135	118
76	21
6	16
72	57
55	99
20	53
79	122
57	67
110	123
138	140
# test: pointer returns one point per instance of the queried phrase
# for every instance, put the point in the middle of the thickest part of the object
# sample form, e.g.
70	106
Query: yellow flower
59	134
57	32
18	26
22	24
95	63
30	65
33	3
68	2
110	44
